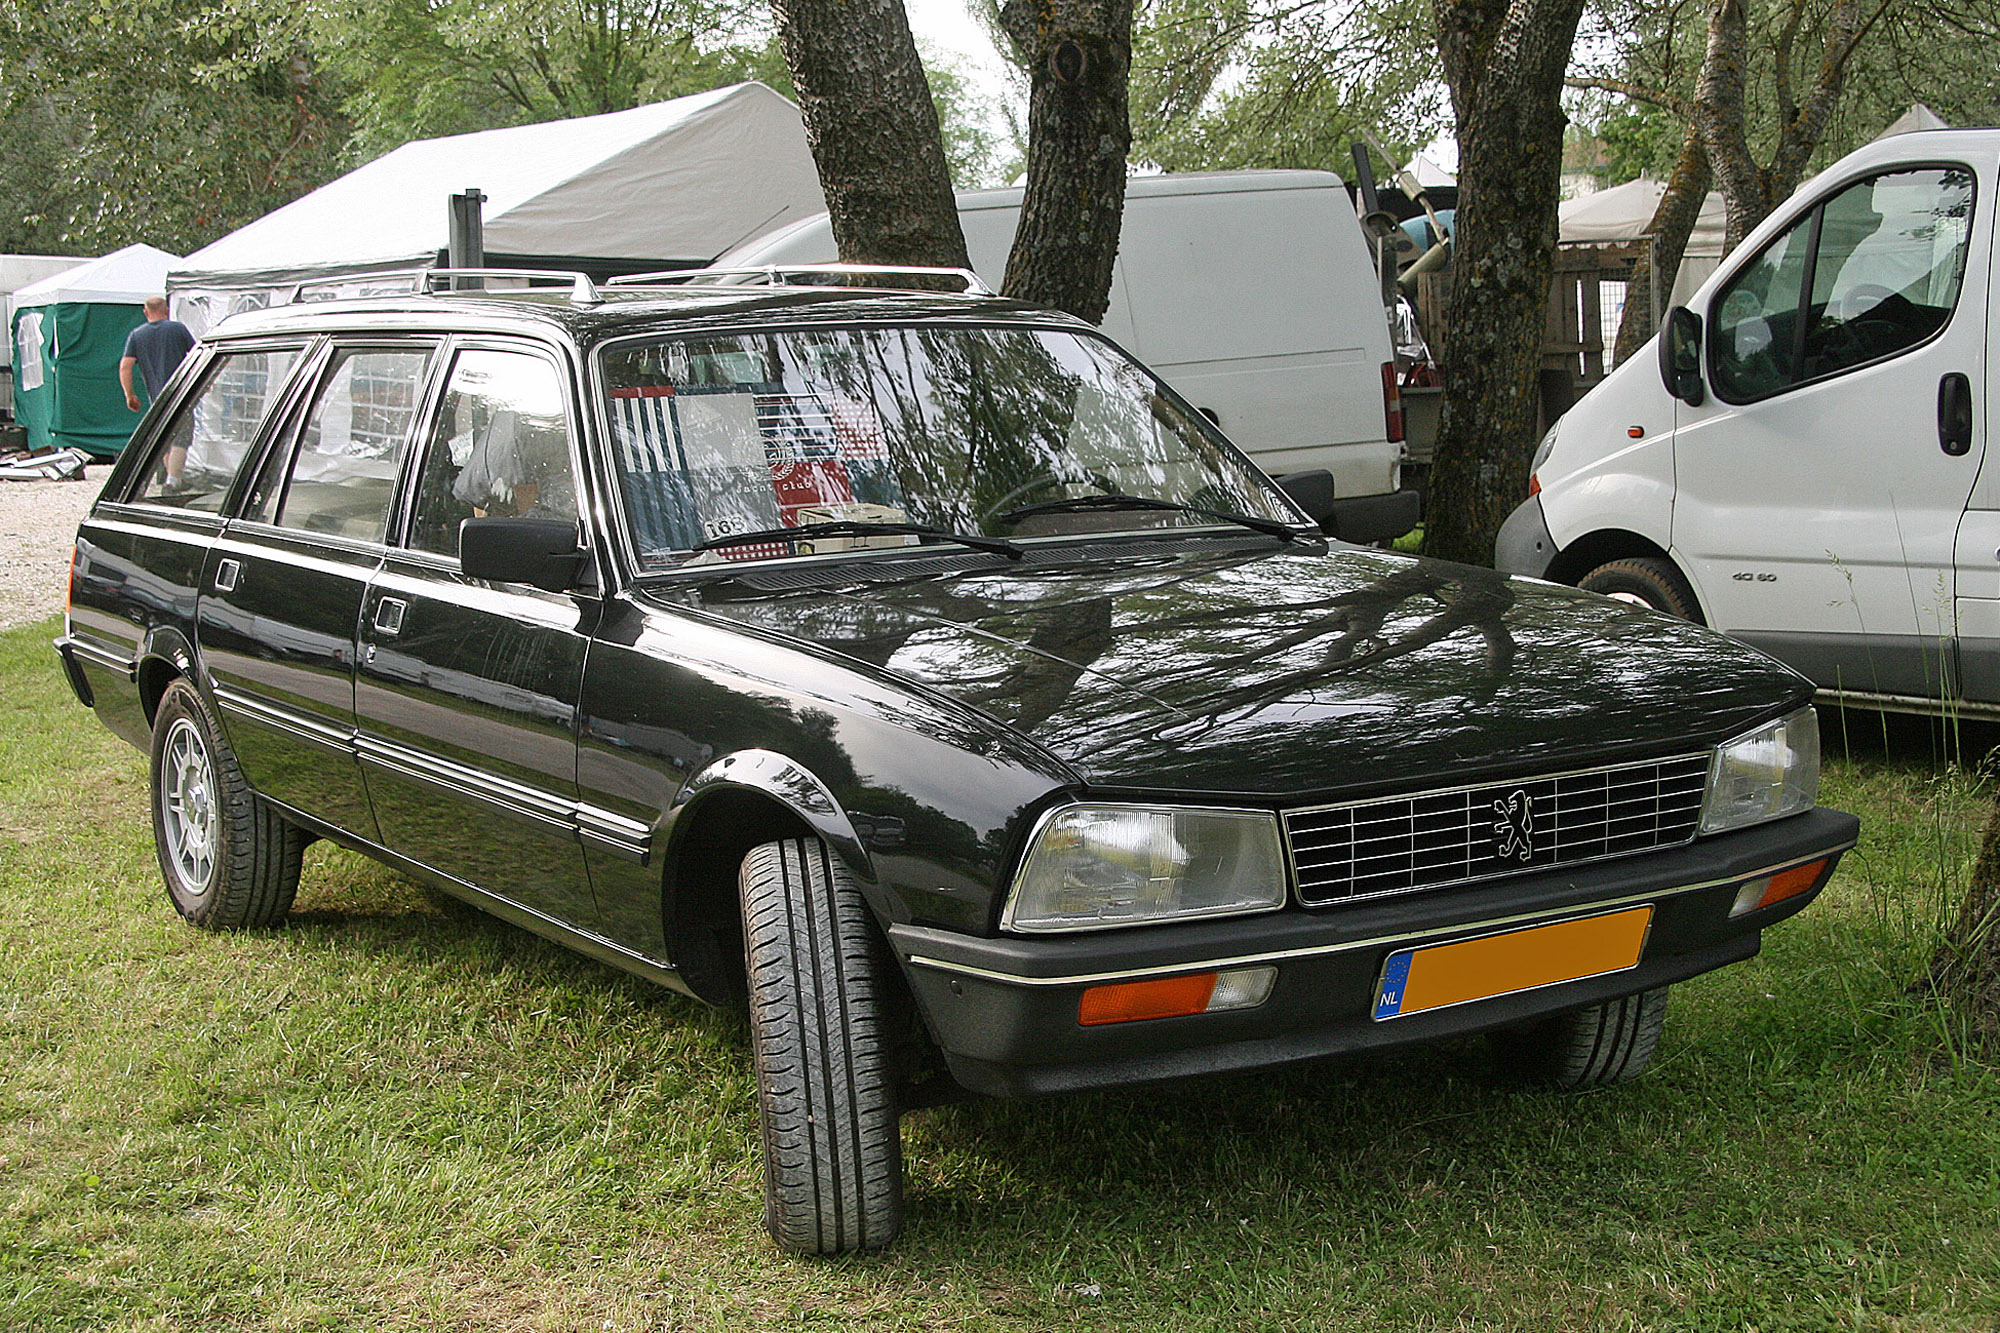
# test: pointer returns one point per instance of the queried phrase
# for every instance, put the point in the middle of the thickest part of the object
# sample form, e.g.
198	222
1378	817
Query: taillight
1392	402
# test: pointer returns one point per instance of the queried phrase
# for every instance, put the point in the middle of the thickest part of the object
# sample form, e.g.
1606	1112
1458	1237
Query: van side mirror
540	552
1680	356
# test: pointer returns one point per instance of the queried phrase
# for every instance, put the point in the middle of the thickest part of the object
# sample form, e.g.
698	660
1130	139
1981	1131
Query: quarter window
501	448
197	457
342	472
1873	271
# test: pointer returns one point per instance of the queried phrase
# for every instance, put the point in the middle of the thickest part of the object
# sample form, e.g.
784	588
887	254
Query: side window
501	448
341	474
1871	272
195	461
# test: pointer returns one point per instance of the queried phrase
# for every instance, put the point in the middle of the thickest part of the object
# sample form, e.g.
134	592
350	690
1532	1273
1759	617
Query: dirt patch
37	531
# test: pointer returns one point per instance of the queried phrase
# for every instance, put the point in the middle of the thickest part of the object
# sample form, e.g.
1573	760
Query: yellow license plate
1446	974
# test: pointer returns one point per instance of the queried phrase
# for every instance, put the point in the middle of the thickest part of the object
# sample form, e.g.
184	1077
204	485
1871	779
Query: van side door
1817	498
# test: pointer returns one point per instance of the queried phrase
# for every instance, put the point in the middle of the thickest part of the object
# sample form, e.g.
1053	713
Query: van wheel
1646	581
231	862
821	1030
1592	1047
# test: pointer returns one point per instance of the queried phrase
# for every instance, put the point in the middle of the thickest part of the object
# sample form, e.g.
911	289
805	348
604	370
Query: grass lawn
389	1115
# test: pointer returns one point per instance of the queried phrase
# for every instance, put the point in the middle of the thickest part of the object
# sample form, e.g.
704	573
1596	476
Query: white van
1253	295
1801	463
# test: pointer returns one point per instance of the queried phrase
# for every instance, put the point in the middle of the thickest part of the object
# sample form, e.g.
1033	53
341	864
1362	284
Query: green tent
68	336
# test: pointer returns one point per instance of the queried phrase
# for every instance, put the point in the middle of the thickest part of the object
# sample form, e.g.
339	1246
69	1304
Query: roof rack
780	275
581	289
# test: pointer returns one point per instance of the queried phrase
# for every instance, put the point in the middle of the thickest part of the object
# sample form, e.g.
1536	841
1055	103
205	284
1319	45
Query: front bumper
1523	545
1004	1010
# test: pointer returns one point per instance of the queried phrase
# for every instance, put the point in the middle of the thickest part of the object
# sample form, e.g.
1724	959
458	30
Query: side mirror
540	552
1311	491
1680	356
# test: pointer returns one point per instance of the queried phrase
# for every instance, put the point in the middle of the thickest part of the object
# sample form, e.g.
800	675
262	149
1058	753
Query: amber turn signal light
1768	889
1176	997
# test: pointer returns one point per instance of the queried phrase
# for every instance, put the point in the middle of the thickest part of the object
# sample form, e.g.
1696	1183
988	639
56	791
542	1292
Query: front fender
791	785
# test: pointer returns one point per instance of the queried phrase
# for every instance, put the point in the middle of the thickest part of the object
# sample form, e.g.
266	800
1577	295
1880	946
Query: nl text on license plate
1477	969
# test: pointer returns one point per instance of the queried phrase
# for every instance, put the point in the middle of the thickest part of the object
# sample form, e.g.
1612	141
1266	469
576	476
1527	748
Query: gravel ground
37	529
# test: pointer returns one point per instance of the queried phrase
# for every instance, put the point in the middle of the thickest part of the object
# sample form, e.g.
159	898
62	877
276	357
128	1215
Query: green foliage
424	68
1939	54
1261	83
171	122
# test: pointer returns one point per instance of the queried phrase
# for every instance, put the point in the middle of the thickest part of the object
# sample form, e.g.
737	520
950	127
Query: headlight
1547	447
1094	866
1770	772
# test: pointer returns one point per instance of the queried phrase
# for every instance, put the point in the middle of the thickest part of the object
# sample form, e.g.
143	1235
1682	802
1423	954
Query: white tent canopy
123	277
1625	212
674	182
1918	117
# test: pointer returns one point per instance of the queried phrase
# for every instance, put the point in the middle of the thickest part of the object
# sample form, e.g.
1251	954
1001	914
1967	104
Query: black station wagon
920	670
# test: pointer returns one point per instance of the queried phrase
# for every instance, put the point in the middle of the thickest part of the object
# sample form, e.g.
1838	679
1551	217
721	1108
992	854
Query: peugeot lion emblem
1513	831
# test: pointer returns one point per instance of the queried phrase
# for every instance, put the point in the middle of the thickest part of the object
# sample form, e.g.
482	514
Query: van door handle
1955	414
389	615
226	572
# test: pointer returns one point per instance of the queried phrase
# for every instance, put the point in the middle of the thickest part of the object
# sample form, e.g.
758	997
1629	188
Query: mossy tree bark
1078	54
1672	224
873	130
1965	971
1504	61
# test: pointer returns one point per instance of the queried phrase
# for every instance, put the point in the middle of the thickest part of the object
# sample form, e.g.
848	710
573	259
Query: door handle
389	615
1955	414
226	574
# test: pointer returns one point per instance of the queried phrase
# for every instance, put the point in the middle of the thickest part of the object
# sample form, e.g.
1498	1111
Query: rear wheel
230	860
820	1023
1592	1047
1647	581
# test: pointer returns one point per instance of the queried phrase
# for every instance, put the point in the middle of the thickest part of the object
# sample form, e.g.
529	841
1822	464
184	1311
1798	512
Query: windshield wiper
861	528
1086	504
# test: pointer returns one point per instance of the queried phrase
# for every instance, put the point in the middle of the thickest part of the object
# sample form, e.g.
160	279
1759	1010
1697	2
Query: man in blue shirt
156	347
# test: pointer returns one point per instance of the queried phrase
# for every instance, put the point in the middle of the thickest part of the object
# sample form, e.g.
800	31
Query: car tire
822	1032
1647	581
1592	1047
231	862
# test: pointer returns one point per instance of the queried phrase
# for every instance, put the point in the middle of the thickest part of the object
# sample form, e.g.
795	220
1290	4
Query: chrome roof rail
779	275
582	290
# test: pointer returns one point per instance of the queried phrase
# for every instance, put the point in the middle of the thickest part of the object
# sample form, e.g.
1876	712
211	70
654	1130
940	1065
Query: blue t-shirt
158	345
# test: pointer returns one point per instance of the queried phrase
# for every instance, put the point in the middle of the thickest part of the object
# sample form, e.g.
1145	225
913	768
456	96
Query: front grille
1401	844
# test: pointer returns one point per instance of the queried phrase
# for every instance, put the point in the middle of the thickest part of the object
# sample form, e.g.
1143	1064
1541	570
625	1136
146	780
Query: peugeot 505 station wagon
921	671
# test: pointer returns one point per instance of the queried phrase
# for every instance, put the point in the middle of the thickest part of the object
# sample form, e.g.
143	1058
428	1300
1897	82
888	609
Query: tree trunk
1965	971
1504	61
1672	224
1079	56
873	130
1750	191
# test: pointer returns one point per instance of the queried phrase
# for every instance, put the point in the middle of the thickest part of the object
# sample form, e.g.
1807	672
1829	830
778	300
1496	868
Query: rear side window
1873	271
340	475
197	457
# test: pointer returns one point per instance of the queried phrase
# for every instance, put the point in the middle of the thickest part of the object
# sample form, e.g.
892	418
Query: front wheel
230	861
1592	1047
1646	581
820	1025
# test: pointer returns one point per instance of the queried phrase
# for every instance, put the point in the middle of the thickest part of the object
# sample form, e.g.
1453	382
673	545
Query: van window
342	473
1873	271
198	454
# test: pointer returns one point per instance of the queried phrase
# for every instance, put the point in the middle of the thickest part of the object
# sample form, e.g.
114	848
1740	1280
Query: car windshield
960	429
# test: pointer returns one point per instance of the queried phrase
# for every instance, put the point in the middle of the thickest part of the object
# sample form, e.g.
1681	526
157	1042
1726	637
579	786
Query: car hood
1243	673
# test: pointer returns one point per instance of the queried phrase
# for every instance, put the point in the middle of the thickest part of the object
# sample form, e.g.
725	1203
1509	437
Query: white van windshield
984	431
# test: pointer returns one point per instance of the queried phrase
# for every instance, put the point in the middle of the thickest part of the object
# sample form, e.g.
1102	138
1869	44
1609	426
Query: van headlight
1090	867
1763	774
